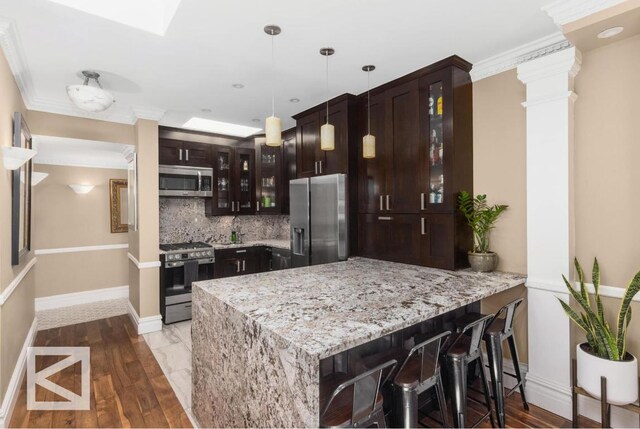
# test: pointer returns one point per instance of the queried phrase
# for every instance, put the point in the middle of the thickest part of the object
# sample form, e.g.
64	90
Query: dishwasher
280	259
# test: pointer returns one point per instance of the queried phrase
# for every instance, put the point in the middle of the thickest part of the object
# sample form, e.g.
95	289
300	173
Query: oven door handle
199	177
206	261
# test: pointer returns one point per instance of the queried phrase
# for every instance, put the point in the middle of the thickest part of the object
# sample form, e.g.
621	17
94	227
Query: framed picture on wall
118	205
21	194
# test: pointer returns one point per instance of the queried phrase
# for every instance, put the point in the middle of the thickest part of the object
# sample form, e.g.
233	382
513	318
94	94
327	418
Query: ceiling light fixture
15	157
273	125
218	127
90	98
205	110
294	100
327	131
238	85
255	120
369	141
610	32
82	189
37	177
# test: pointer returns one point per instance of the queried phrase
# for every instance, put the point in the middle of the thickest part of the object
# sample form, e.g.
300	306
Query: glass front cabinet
269	184
233	182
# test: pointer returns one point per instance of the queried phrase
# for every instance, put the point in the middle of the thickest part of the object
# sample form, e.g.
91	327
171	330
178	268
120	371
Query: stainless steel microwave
180	181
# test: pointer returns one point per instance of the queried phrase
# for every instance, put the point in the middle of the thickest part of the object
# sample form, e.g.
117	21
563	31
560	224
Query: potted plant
481	217
605	353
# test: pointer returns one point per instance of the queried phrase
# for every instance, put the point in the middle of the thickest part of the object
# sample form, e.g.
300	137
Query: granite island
258	340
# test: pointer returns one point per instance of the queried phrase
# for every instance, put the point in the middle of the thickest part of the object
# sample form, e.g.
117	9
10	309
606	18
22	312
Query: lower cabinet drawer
178	312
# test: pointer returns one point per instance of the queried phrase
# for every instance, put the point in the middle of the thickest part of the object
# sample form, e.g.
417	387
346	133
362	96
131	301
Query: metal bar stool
355	402
464	350
498	330
419	371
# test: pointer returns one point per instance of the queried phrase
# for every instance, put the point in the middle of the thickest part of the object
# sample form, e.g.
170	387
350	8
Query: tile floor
57	317
172	349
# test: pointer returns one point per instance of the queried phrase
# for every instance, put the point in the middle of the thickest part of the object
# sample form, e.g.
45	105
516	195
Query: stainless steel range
182	264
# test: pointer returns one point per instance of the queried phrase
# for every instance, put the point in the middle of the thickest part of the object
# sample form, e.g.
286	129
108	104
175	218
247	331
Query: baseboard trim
78	298
4	296
11	396
144	325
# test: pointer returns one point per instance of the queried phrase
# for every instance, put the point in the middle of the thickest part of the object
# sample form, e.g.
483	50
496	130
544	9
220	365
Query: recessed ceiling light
220	127
205	110
149	15
238	85
610	32
294	100
256	120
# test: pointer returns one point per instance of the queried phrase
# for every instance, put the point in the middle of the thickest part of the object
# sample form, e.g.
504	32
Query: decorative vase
622	376
483	262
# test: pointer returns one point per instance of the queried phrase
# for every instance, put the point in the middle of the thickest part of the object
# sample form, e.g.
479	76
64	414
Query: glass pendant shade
327	137
369	146
273	128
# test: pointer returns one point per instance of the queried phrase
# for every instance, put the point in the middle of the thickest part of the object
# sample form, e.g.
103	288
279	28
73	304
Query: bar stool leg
487	397
442	403
407	409
459	390
494	353
516	365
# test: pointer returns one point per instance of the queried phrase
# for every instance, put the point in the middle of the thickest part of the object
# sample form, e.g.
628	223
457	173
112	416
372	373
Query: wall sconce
16	157
82	189
37	177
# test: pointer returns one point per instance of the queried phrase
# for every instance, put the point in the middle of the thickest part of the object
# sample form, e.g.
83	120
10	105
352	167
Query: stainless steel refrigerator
318	220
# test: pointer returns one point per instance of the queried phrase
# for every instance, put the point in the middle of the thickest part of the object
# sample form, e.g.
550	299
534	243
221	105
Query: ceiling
211	45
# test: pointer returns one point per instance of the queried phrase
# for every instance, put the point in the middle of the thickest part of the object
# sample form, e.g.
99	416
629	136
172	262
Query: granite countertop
326	309
279	244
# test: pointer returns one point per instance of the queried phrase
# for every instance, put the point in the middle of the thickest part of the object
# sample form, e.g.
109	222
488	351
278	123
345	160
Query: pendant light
327	131
90	98
273	125
369	141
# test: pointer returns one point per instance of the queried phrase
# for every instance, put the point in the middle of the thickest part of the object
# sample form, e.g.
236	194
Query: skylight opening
218	127
153	16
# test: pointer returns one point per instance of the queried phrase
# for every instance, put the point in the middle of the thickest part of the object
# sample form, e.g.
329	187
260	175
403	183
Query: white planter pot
622	377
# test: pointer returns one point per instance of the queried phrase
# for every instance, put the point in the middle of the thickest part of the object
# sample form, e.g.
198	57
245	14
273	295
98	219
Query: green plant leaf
632	289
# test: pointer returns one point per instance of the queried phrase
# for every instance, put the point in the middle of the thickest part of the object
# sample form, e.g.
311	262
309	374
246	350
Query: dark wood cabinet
241	260
313	161
424	158
175	152
233	182
289	165
269	182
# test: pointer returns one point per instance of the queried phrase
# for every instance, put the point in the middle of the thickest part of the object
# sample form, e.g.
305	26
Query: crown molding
514	57
567	62
565	11
148	113
80	153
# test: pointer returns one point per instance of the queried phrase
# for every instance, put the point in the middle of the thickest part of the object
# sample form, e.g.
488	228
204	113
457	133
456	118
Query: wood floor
128	388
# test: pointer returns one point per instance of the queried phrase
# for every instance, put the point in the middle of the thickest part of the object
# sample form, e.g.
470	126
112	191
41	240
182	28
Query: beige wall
66	219
607	154
144	244
16	314
499	170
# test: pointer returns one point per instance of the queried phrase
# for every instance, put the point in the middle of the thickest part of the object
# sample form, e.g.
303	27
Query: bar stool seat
460	345
339	415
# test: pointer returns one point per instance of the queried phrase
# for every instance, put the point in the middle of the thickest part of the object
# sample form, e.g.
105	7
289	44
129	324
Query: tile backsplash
183	219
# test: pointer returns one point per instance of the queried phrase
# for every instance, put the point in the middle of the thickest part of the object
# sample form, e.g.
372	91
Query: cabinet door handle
381	204
385	218
180	154
315	167
232	206
238	266
422	226
238	206
244	265
320	162
258	205
241	251
388	203
187	152
422	201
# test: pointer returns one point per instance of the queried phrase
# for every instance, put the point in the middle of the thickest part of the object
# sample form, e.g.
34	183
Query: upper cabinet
313	161
175	152
269	172
233	182
290	167
424	158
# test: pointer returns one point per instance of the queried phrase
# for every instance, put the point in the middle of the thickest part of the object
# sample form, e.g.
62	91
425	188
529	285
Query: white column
550	242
